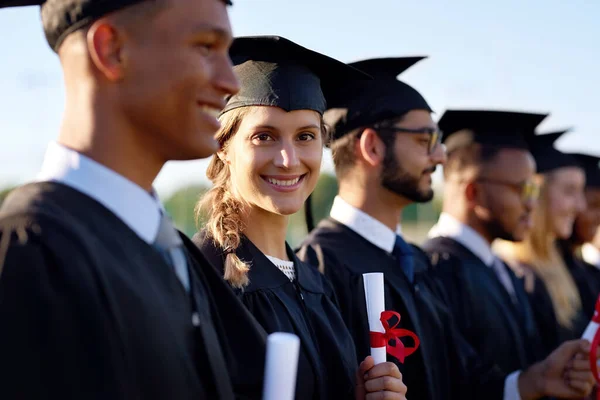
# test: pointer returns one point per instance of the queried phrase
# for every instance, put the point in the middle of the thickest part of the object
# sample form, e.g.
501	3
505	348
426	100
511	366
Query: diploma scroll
375	299
592	327
592	335
281	366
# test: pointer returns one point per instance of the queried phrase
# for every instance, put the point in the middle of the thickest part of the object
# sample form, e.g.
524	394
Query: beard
398	180
497	231
493	225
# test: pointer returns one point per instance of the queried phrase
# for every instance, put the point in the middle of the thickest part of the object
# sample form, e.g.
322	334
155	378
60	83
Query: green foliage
322	199
180	207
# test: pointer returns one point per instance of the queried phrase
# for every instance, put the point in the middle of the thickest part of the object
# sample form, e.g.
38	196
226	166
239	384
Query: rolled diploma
375	299
590	331
592	327
281	366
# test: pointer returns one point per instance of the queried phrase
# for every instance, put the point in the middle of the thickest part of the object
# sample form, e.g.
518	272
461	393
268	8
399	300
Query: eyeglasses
435	135
528	190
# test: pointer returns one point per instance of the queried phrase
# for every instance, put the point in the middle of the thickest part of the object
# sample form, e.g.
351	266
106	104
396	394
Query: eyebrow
272	128
311	126
204	29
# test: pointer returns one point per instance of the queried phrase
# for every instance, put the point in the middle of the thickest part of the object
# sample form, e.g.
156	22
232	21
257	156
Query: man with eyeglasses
385	147
489	194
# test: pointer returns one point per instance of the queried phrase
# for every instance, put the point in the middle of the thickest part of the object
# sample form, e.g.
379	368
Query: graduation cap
365	103
274	71
62	17
591	166
508	129
547	157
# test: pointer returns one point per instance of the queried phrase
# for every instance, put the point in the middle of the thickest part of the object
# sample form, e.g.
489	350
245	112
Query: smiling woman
268	164
271	140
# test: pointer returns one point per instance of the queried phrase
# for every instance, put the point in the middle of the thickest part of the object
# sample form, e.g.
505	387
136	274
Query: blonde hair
540	253
221	209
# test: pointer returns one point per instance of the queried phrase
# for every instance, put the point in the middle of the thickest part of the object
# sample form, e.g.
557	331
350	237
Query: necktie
504	277
404	254
170	246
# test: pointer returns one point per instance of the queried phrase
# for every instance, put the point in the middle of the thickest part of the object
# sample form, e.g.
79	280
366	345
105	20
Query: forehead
278	118
569	175
515	164
416	119
197	16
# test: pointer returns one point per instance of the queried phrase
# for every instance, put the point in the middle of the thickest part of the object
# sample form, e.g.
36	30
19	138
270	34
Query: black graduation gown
89	310
305	307
499	330
445	366
552	334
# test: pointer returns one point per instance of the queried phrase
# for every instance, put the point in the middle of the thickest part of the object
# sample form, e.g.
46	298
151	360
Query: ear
223	157
471	194
106	47
371	148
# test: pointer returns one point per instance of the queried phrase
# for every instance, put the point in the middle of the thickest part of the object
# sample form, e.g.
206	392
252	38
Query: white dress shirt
383	237
448	226
138	209
366	226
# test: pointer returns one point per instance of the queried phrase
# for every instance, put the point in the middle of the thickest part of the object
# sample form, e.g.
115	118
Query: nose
224	77
581	204
530	203
287	156
439	155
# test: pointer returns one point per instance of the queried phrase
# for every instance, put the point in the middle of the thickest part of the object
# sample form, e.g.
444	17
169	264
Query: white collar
362	223
140	210
448	226
590	254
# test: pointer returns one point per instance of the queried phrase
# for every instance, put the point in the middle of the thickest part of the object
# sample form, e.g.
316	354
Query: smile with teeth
210	110
279	182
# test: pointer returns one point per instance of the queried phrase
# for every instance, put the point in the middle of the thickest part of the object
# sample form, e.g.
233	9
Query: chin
517	235
424	196
284	209
205	149
565	233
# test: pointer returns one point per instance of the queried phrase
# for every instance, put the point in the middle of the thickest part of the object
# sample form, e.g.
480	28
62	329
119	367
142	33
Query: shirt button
195	319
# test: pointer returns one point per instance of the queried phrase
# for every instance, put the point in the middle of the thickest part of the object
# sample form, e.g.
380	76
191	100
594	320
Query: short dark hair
342	149
468	156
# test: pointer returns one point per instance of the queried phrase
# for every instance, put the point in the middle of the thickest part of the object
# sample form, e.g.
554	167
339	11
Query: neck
100	133
470	220
377	202
267	231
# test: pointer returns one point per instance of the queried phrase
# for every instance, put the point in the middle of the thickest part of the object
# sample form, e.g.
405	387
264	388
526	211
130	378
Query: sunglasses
528	190
435	135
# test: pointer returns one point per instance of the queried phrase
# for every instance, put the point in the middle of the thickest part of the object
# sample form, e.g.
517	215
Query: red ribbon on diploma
397	350
594	346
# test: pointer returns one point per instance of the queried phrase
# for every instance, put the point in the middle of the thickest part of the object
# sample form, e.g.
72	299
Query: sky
535	55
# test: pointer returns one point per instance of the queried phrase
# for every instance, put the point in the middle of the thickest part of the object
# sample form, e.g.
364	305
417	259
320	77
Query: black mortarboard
385	97
494	128
547	157
62	17
274	71
591	165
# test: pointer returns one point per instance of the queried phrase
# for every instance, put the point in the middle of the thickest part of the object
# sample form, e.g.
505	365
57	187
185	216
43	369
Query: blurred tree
322	199
180	206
